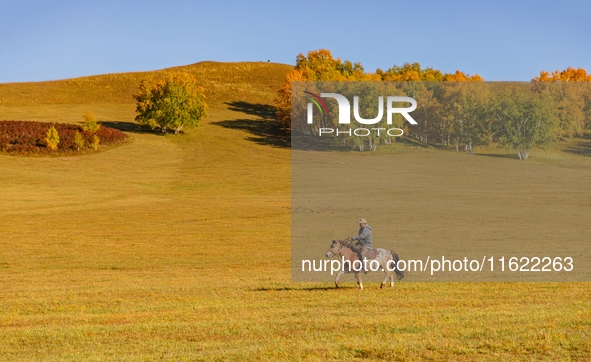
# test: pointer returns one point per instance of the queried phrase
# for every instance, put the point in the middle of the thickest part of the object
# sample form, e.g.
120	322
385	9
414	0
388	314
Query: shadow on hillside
127	126
497	155
265	129
413	142
581	148
263	111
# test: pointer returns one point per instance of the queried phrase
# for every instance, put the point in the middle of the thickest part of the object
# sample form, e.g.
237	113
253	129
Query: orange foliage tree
568	75
318	65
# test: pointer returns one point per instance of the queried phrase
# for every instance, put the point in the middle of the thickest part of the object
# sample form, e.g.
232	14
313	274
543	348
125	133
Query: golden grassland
178	248
246	81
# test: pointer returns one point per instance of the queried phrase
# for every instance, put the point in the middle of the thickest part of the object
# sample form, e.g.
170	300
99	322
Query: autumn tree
90	124
411	80
52	138
460	76
318	65
91	127
413	72
283	100
568	75
171	103
78	141
524	120
571	91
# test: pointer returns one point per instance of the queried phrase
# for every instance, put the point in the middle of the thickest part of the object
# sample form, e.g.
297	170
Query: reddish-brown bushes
28	138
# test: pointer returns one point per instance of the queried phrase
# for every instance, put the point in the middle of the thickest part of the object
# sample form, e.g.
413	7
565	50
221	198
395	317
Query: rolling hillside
178	247
246	81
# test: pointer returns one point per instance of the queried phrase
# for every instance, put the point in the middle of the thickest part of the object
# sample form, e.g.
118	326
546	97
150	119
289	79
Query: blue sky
500	40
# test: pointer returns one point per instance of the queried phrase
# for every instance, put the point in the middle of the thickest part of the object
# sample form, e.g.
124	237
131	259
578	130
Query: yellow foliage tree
90	123
52	138
78	141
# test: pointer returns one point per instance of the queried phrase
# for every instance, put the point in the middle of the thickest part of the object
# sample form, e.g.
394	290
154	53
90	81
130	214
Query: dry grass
177	248
425	202
247	81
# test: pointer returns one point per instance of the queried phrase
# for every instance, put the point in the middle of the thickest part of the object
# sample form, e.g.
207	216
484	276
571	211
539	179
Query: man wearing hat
364	240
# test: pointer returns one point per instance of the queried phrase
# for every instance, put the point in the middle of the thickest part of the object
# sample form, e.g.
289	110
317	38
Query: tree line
454	109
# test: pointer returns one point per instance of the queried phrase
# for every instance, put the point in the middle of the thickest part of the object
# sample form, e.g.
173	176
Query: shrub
30	138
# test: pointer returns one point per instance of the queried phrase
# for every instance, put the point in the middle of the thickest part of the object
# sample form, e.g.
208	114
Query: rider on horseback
364	242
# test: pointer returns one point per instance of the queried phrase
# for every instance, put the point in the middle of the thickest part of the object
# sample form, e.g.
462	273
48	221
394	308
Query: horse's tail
396	258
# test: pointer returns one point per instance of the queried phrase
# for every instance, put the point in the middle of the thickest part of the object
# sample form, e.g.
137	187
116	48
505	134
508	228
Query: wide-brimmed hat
362	221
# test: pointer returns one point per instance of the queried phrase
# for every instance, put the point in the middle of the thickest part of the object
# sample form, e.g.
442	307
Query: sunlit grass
248	81
178	248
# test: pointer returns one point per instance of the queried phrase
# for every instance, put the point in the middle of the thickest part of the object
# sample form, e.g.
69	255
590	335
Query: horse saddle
371	254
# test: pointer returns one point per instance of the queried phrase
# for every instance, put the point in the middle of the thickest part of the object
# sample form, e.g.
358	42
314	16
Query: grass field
178	248
427	202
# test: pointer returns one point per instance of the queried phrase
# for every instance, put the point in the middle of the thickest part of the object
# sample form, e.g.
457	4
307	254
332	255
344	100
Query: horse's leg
391	275
358	276
388	274
385	280
336	282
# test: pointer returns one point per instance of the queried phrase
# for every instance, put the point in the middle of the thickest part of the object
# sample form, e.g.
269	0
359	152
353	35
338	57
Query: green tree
524	120
571	100
464	106
170	104
367	96
427	113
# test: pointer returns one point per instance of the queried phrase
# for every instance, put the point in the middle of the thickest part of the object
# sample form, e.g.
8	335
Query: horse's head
334	249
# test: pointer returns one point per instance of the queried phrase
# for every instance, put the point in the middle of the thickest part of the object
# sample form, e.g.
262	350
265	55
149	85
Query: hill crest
223	82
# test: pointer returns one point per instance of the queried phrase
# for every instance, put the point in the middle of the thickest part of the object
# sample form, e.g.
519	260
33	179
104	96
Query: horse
387	260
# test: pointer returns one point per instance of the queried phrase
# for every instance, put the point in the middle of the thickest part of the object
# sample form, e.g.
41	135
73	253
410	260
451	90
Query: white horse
386	259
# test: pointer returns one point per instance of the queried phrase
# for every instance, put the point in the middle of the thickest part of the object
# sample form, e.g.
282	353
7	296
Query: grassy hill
177	247
247	81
